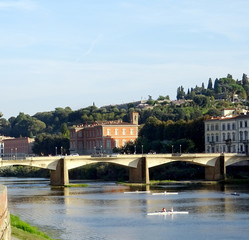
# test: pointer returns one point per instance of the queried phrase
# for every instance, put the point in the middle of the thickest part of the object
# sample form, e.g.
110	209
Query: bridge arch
177	170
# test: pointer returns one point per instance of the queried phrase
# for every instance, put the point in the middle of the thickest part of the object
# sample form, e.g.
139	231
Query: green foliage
213	112
64	130
225	88
201	100
47	144
20	171
159	136
177	171
180	93
18	223
103	171
76	185
25	126
210	84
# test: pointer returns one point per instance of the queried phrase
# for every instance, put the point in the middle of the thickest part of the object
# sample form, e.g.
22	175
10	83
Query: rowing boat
165	193
138	192
166	213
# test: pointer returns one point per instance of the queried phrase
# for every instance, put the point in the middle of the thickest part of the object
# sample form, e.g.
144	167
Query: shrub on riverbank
23	171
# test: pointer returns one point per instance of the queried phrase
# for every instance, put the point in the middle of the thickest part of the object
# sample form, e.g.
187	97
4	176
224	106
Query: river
103	211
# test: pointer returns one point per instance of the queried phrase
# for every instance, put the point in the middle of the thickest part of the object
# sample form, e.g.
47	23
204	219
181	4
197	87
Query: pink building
18	147
102	137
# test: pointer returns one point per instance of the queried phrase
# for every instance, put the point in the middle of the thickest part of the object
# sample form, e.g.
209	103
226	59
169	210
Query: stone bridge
139	165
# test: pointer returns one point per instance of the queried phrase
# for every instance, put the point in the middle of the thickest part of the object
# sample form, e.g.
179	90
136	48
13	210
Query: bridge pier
141	173
59	177
218	172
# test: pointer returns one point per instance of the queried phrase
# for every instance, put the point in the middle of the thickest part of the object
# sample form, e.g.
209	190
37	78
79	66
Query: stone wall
5	229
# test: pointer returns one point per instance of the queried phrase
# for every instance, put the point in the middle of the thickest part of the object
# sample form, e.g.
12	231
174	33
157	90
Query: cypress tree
210	84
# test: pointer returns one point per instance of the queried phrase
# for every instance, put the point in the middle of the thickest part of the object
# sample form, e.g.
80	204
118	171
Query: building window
246	135
131	131
207	127
245	123
234	148
241	124
241	148
116	143
108	132
212	127
216	127
224	148
212	138
228	126
223	136
217	138
124	131
123	142
233	126
241	135
223	127
108	144
208	149
233	136
116	131
208	138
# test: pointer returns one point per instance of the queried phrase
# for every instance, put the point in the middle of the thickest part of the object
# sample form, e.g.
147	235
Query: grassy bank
23	231
76	185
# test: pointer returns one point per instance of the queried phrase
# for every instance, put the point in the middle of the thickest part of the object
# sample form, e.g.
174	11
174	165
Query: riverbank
23	231
187	182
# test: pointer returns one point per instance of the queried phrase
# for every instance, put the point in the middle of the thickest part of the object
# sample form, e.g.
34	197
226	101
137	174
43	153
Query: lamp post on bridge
55	151
142	149
16	153
135	149
11	152
61	150
180	149
172	146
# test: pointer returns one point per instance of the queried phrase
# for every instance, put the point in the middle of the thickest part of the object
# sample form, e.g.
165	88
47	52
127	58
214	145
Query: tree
244	80
180	93
213	112
46	144
201	100
64	130
210	84
151	129
5	127
216	86
25	126
229	76
202	86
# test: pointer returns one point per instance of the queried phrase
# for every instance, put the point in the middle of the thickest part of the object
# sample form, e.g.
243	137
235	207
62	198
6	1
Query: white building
227	134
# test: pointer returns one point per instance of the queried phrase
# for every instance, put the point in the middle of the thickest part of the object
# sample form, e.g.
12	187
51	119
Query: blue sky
59	53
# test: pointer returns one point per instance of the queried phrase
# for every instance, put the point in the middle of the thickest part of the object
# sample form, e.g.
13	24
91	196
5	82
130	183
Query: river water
103	211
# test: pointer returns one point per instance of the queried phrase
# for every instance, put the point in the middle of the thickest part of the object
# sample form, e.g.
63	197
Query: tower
134	118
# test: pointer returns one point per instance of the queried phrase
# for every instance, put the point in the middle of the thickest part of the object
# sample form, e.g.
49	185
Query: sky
60	53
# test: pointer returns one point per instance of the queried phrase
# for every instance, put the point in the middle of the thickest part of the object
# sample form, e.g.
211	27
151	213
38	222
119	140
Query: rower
164	210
